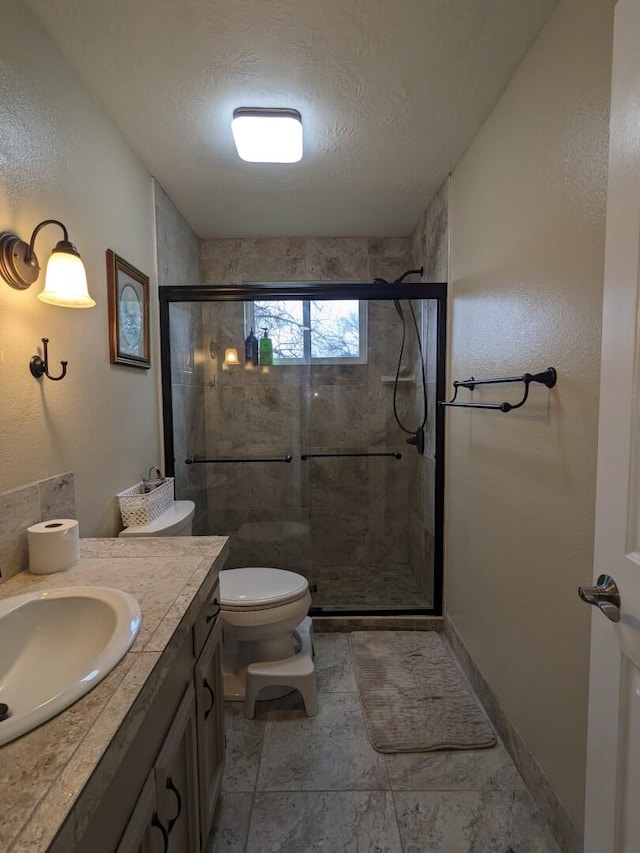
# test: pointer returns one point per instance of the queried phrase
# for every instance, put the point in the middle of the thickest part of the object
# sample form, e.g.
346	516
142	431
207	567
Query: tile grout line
255	789
395	811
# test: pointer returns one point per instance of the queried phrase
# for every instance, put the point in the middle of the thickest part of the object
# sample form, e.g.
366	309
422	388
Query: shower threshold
379	611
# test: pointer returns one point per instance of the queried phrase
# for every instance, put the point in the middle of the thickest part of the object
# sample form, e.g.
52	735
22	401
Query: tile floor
295	784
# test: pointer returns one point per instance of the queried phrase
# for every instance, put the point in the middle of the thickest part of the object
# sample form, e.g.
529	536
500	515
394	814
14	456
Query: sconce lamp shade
265	135
231	356
66	279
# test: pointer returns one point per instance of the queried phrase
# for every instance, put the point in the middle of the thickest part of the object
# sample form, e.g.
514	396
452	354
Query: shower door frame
332	290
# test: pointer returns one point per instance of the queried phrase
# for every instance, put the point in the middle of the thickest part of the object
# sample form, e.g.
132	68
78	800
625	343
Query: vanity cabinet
144	833
163	796
210	725
165	818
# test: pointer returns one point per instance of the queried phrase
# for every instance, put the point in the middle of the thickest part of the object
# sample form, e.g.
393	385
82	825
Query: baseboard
567	835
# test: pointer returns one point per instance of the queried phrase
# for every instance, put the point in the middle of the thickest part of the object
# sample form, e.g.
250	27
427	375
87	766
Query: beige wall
527	241
60	157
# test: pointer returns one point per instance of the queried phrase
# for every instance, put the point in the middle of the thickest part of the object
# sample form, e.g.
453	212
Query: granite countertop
57	773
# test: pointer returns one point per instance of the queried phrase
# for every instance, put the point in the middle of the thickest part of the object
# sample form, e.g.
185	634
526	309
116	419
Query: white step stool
297	672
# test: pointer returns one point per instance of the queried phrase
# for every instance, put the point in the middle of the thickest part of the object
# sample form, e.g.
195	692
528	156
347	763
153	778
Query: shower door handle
605	595
193	460
305	456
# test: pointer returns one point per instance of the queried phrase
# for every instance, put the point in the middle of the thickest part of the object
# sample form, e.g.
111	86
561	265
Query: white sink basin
55	646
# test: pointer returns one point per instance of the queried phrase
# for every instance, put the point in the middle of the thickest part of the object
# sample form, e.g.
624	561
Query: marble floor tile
328	752
334	670
454	770
231	824
321	788
244	745
471	822
324	822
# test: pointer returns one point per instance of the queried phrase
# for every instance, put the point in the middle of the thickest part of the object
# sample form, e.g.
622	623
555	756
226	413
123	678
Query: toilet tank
176	521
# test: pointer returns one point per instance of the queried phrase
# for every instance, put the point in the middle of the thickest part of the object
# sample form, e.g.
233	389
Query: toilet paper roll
53	545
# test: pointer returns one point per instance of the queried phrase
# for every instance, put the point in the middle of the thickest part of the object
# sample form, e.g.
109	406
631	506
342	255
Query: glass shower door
302	462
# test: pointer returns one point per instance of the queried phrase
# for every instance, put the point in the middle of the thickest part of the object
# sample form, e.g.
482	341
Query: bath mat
413	696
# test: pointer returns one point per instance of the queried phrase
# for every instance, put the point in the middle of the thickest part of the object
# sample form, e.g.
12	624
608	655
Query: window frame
307	358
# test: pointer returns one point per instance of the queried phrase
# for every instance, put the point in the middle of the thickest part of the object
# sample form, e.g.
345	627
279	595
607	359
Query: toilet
267	635
262	612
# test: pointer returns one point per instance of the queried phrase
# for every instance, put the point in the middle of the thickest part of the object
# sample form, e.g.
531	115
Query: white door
613	756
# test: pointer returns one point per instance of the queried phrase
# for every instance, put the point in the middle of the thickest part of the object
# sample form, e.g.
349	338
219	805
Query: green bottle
266	349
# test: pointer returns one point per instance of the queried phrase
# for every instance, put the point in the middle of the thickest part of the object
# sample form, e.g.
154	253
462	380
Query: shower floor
356	587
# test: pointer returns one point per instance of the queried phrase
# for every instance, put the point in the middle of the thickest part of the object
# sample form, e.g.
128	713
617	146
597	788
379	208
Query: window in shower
314	331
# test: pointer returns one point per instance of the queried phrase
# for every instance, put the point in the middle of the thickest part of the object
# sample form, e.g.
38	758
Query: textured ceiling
391	95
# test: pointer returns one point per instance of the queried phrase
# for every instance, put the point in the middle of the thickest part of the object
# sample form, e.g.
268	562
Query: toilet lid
259	588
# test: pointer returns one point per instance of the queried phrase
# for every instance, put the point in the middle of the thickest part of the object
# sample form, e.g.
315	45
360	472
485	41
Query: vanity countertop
55	774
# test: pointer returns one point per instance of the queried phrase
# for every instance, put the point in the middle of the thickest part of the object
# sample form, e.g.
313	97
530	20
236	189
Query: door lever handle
605	595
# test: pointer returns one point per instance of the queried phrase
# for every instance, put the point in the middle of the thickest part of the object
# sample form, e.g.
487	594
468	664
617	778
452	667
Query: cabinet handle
155	821
214	613
208	687
171	787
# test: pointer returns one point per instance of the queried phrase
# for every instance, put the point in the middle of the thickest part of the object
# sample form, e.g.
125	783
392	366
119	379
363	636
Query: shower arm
400	278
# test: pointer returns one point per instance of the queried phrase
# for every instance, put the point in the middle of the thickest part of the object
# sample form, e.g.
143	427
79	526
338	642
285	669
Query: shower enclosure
302	462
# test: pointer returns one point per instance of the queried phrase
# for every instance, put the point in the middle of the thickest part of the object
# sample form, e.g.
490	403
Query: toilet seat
257	588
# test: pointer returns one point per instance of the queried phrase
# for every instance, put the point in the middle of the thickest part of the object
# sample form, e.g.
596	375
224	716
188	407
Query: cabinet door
210	722
176	780
144	833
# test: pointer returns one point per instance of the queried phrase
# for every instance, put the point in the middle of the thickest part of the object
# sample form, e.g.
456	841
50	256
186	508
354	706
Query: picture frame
128	291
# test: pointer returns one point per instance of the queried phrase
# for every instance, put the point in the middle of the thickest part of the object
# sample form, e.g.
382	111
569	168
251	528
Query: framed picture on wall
128	290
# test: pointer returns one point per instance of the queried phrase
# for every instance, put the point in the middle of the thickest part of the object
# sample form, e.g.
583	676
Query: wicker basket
140	507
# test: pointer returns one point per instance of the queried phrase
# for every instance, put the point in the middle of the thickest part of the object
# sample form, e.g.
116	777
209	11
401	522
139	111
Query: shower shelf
546	377
402	380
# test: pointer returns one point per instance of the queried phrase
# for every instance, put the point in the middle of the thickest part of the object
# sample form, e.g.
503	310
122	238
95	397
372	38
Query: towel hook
40	366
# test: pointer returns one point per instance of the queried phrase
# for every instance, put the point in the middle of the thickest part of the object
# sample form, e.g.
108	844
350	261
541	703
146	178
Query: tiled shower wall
27	505
178	250
355	513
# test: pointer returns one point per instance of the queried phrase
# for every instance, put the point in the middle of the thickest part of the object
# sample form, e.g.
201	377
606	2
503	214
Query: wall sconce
65	279
231	356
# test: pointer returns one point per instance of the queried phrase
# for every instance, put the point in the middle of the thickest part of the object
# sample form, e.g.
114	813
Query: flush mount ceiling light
266	135
65	277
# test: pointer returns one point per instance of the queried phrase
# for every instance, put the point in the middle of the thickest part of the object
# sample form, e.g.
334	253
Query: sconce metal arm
30	255
18	261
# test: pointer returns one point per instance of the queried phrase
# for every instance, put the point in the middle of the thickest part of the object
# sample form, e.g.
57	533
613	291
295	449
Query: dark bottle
251	350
